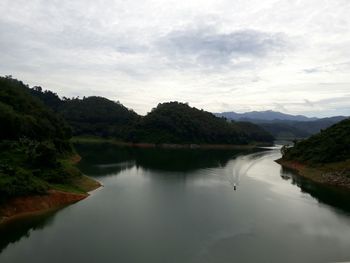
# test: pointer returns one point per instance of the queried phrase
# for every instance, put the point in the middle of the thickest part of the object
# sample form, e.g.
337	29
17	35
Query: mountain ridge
268	115
284	126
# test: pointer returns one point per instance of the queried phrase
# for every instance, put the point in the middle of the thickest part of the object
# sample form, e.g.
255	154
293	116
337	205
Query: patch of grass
68	188
85	183
24	170
91	139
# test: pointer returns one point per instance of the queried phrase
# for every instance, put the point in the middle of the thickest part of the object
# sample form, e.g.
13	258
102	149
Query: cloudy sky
220	55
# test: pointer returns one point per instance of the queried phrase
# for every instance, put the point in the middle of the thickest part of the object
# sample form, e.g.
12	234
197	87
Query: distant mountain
263	116
284	126
298	129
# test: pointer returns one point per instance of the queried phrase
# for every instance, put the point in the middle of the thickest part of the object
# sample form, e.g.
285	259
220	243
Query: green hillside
171	122
92	116
98	116
176	122
34	143
330	145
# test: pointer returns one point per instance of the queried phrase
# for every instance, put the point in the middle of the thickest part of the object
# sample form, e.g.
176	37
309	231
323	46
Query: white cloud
216	55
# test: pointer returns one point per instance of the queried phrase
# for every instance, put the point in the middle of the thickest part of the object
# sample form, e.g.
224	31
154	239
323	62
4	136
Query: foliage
98	116
176	122
94	116
33	140
49	98
284	129
22	115
330	145
172	122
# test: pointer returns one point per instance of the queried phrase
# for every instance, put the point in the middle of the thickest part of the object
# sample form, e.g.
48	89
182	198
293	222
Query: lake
178	205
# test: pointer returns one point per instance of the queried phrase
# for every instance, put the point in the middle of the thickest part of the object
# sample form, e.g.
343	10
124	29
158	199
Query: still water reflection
181	206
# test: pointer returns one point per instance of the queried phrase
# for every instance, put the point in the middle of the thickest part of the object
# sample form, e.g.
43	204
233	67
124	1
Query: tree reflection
330	195
17	229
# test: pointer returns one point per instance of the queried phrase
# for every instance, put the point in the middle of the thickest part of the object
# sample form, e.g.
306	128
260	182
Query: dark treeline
36	127
298	129
175	122
330	145
33	142
172	122
94	116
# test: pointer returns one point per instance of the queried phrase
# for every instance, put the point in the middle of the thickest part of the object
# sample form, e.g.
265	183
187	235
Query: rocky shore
326	174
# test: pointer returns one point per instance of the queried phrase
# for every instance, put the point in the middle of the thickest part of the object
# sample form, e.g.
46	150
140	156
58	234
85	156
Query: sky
291	56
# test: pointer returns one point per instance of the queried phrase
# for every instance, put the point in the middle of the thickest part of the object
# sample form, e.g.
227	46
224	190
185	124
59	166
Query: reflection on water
17	229
181	205
325	194
114	159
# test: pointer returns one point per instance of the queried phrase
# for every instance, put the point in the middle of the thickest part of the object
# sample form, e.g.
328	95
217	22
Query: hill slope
330	145
22	115
284	126
169	123
324	157
96	116
176	122
298	129
34	144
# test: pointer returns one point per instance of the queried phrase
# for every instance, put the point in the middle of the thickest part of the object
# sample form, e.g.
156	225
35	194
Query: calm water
181	206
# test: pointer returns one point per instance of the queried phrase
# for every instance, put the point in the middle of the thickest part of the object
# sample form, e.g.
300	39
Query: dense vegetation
330	145
176	122
36	127
298	129
33	143
98	116
94	116
172	122
284	131
24	116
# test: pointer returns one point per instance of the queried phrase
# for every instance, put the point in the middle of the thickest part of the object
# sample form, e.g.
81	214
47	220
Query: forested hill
98	116
171	122
22	115
95	116
330	145
34	142
176	122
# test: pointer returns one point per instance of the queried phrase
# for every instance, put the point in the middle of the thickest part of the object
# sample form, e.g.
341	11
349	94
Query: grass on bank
29	168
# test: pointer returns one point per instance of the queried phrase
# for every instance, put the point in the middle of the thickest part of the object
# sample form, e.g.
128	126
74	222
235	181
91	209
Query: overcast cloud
219	55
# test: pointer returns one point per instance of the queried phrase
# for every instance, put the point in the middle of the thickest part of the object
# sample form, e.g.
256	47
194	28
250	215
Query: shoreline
27	206
326	174
169	145
59	196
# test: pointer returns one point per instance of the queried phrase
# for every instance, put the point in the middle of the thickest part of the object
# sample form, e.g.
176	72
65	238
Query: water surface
180	206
